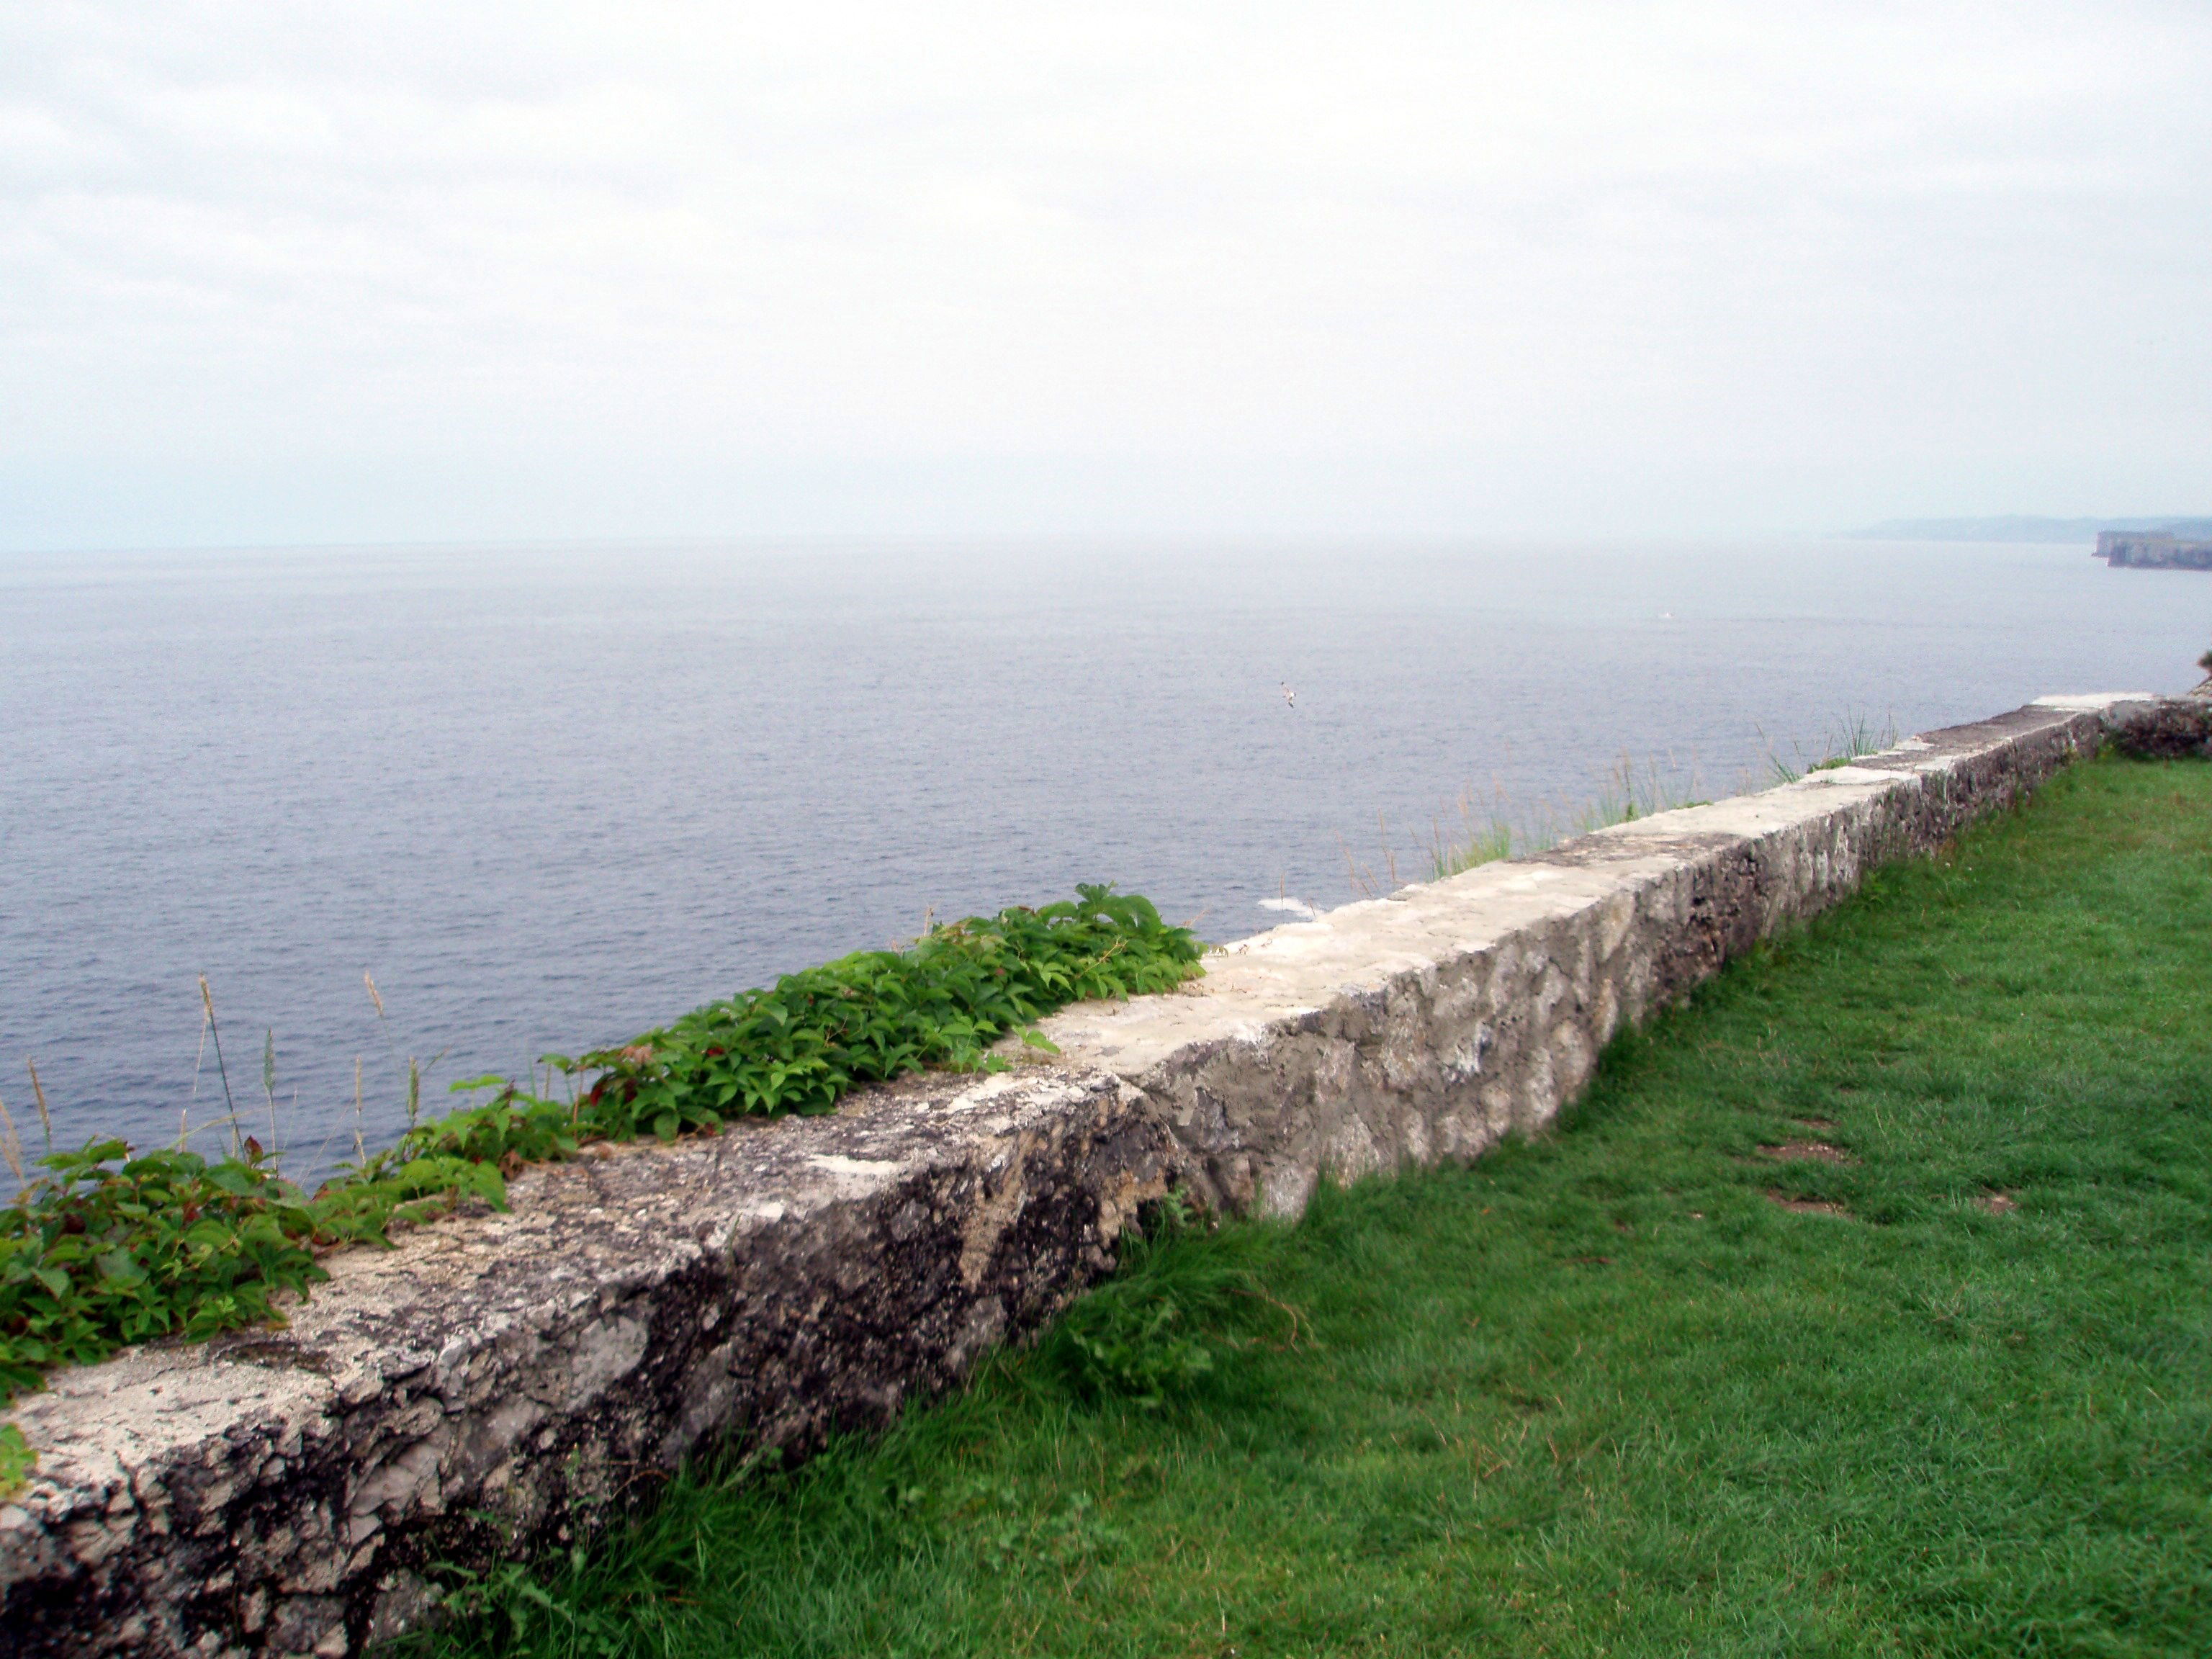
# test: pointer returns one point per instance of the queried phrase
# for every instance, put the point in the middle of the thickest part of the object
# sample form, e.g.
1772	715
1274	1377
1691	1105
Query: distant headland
2024	529
2154	550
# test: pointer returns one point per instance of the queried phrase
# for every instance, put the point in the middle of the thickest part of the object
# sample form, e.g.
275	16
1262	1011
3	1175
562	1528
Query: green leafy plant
812	1037
111	1249
112	1246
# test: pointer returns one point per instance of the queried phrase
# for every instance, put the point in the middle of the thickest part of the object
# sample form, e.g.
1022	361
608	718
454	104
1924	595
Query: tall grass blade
214	1030
269	1088
11	1147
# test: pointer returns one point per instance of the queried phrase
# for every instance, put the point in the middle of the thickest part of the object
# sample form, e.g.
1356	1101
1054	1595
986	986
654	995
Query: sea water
550	797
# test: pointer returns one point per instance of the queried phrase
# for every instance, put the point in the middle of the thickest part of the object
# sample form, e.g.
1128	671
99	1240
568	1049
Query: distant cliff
2153	550
2021	529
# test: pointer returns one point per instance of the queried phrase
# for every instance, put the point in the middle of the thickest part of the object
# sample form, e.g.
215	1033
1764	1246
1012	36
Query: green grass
1599	1395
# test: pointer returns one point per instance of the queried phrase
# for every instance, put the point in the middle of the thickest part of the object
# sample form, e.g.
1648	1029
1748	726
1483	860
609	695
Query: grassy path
1604	1394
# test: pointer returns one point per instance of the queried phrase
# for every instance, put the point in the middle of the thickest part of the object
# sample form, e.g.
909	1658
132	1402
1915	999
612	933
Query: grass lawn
1604	1393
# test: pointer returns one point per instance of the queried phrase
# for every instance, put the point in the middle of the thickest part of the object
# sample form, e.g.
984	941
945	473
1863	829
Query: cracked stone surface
499	1383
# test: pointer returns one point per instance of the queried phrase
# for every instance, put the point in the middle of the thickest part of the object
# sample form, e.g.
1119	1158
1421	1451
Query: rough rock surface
281	1491
499	1383
2172	728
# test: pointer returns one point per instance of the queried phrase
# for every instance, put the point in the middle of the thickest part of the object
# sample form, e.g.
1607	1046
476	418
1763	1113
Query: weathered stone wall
1432	1022
281	1492
2173	728
499	1383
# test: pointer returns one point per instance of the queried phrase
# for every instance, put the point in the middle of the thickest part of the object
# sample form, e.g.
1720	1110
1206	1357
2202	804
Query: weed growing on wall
17	1461
112	1246
1488	832
799	1045
1849	739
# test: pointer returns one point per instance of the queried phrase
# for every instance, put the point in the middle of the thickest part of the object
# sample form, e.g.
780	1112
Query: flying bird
1289	697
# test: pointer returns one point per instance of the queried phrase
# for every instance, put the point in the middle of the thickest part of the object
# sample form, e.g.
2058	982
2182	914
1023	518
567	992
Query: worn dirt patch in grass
1805	1205
1818	1151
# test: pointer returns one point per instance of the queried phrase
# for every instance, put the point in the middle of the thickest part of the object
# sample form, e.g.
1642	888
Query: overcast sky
337	272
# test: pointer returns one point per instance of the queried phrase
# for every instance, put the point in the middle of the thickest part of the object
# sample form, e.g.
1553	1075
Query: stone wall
2173	728
1430	1022
500	1382
281	1491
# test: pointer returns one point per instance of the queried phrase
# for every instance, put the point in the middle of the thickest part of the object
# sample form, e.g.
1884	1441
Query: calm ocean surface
551	797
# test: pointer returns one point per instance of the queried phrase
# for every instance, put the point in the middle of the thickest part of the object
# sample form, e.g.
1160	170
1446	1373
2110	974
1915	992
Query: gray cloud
379	271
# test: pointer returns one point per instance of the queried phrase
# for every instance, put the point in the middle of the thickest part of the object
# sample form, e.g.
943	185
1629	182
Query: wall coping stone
499	1383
